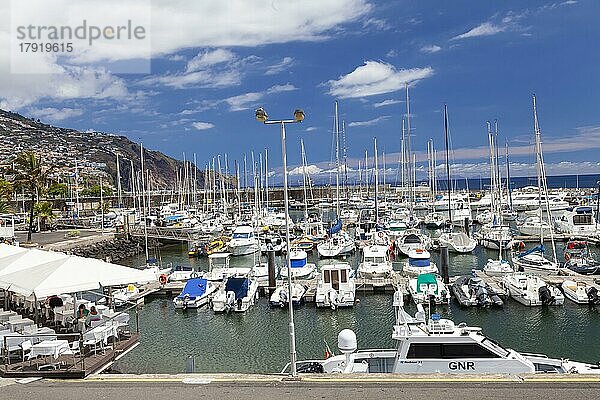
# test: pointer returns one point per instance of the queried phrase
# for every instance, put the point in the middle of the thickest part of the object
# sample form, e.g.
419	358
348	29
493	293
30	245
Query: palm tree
4	207
31	175
44	213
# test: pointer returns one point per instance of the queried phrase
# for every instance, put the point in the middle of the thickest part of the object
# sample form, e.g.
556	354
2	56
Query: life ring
567	256
162	279
194	275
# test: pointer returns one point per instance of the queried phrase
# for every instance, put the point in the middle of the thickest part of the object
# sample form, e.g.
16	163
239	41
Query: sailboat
457	242
533	260
338	242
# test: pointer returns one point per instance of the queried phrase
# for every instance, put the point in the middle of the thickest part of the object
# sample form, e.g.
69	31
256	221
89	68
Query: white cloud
377	23
484	29
432	48
311	129
387	102
201	126
373	78
208	59
310	169
391	54
281	66
251	99
370	122
55	114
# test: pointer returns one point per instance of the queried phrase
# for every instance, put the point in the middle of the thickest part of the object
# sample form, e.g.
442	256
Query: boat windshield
501	351
377	260
241	235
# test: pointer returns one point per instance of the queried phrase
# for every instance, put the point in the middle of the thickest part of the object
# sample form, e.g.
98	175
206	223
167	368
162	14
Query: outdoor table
45	332
49	348
5	315
18	324
120	317
64	315
46	348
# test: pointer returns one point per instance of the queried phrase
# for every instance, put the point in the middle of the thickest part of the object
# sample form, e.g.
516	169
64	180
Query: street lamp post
262	116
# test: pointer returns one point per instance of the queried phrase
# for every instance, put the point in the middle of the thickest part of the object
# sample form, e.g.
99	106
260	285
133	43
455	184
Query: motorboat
581	292
304	243
534	226
280	295
494	237
375	263
238	294
336	286
349	216
195	294
531	290
429	344
301	269
533	261
243	241
429	289
457	242
578	221
338	244
182	273
219	267
412	239
216	246
435	220
485	217
419	262
472	291
579	259
497	267
124	296
272	241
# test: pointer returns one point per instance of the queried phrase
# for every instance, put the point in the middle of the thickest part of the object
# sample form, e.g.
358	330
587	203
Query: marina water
257	341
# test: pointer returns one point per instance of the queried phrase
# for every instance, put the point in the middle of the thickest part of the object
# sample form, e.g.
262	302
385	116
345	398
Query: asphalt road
44	238
165	389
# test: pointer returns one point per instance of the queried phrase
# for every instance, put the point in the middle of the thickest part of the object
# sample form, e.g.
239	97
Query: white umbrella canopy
69	275
14	258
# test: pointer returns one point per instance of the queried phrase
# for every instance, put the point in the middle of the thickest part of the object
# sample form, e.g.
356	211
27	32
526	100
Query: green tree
4	207
58	190
31	175
94	191
6	189
44	213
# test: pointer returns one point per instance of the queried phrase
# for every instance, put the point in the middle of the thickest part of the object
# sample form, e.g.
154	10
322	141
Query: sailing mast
304	179
376	183
447	163
337	161
408	151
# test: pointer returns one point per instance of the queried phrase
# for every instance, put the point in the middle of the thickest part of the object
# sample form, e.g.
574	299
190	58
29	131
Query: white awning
48	273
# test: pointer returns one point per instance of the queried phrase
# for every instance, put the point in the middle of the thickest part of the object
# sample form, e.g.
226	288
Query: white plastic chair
26	350
74	350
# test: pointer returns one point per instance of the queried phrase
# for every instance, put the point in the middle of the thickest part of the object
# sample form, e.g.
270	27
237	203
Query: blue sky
483	58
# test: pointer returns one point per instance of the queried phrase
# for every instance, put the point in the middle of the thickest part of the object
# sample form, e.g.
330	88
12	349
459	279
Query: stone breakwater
109	248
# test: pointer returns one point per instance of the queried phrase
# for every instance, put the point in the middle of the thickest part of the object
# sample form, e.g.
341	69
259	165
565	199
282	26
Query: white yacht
495	237
581	292
338	244
434	220
243	241
375	263
497	267
427	289
219	267
336	286
434	345
124	296
280	295
533	261
238	294
182	273
195	294
301	269
577	222
531	290
534	226
413	239
457	242
419	262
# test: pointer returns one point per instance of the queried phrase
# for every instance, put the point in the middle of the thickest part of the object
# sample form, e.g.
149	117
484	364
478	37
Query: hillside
94	152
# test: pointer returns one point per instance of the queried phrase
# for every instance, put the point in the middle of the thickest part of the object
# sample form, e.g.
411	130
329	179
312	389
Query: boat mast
498	177
492	168
304	179
337	161
447	163
267	179
345	161
119	189
542	183
508	178
144	204
376	182
408	151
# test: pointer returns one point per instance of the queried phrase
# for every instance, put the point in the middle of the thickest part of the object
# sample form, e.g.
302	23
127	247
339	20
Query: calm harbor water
257	341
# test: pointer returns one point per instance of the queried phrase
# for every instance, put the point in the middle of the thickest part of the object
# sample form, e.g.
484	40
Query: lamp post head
298	115
261	115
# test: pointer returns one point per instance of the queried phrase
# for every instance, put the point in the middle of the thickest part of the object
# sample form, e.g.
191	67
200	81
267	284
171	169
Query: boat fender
567	257
162	279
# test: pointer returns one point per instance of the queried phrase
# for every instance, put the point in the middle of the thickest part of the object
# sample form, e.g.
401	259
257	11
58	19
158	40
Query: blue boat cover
539	248
419	262
239	286
173	217
194	287
298	263
336	228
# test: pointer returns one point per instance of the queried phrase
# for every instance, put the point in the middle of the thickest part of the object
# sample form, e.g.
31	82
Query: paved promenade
161	387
